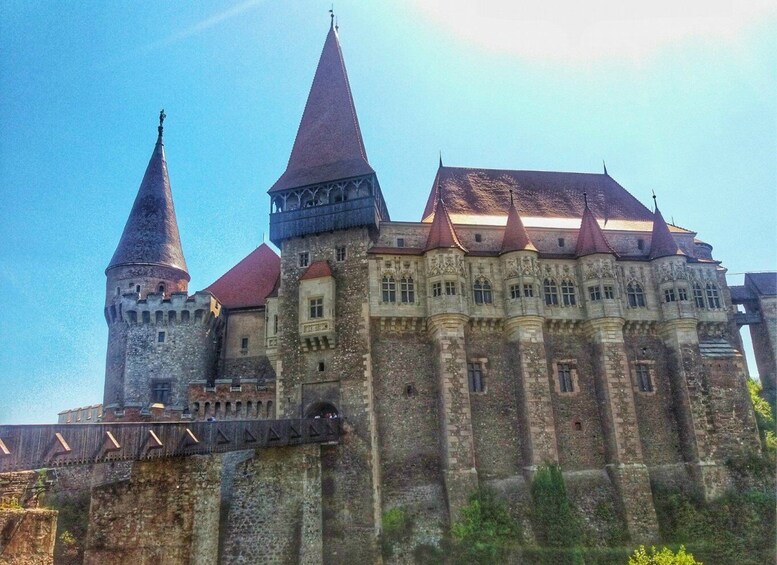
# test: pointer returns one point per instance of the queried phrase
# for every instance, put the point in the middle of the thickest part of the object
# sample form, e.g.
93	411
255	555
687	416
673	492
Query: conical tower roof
662	243
329	143
442	233
151	235
515	238
591	238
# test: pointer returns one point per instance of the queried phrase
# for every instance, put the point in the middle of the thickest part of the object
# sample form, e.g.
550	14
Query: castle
528	318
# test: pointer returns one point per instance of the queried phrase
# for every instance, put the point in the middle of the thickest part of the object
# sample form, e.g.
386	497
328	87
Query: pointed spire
604	166
662	243
329	143
442	233
515	238
591	238
151	235
441	159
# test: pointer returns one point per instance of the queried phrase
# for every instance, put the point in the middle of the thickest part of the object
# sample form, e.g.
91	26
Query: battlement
178	308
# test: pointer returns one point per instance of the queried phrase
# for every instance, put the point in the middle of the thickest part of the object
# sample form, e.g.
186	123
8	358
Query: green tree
764	415
555	524
485	530
664	557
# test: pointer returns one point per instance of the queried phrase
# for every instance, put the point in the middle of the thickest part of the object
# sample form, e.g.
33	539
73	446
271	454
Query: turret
149	258
518	255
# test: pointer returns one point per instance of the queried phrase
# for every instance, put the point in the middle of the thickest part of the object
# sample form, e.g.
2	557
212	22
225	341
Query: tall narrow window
568	293
407	290
565	383
644	383
595	292
450	288
609	292
389	287
160	392
316	308
698	295
475	374
713	298
161	288
160	338
551	292
682	294
437	289
635	295
304	259
515	291
528	290
340	253
275	323
244	343
482	291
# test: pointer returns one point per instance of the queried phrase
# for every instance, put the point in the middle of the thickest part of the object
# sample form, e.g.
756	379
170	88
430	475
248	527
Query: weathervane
162	117
332	16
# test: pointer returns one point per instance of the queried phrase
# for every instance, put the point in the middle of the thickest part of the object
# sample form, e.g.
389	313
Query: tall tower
148	260
325	210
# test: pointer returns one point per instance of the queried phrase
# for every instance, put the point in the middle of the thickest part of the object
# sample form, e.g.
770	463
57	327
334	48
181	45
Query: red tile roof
151	235
442	234
515	237
591	238
249	282
662	243
329	143
470	191
316	270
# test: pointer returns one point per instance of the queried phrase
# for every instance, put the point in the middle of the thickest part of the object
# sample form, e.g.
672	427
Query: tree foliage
664	557
555	524
764	415
485	530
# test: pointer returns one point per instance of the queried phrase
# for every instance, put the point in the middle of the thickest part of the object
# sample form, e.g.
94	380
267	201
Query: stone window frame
482	363
244	345
388	289
450	288
515	291
341	253
437	289
573	373
303	259
682	294
317	303
407	289
669	295
713	296
651	367
698	296
528	290
595	293
162	386
482	292
161	337
608	291
635	295
568	293
550	292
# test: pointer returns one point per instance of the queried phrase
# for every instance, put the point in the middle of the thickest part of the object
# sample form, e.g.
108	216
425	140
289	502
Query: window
275	323
644	382
551	292
160	337
528	290
304	259
475	374
669	295
400	242
450	288
437	289
635	295
482	290
160	392
595	292
698	295
340	253
641	244
565	383
713	298
609	292
561	242
316	308
568	293
478	237
389	287
515	291
244	343
321	366
407	290
137	288
161	288
682	294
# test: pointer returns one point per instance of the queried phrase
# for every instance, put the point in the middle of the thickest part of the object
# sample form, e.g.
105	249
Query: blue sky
680	100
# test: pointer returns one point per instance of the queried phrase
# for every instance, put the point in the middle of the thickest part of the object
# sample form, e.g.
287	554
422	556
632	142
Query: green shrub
664	557
485	530
397	528
555	525
764	415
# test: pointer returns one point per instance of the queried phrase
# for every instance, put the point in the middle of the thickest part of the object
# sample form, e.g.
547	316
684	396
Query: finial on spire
441	159
162	117
332	16
604	165
511	197
585	199
655	204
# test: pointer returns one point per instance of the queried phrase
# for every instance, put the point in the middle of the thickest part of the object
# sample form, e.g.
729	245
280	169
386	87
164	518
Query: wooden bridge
28	447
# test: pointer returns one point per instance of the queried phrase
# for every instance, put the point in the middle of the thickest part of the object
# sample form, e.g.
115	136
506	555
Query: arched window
161	288
551	292
713	298
407	290
568	293
389	287
636	295
482	290
698	295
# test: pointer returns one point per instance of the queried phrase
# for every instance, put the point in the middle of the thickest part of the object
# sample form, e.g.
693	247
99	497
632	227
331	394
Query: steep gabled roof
442	233
251	281
469	193
662	244
329	143
591	238
515	237
150	236
316	270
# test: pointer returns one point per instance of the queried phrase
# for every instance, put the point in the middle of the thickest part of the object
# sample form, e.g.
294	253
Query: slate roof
329	143
765	283
442	234
515	236
486	192
150	236
316	270
662	243
591	238
251	281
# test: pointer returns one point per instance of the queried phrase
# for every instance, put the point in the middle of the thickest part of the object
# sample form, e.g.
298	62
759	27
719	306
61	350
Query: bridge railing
26	447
